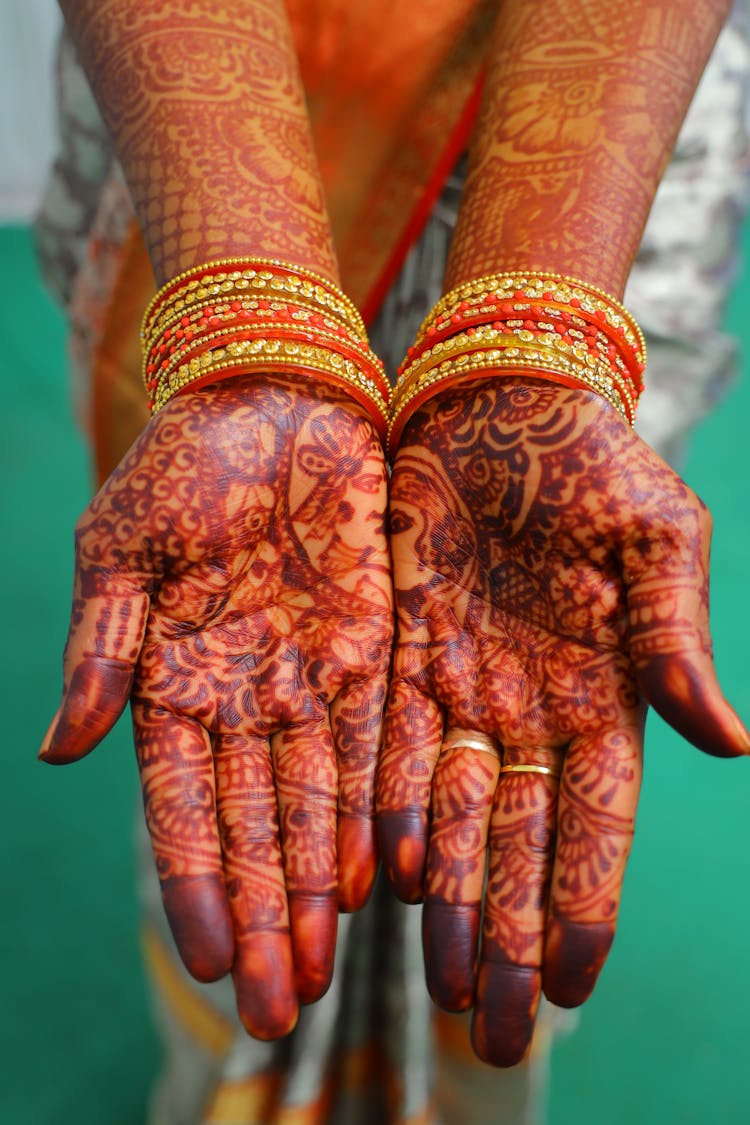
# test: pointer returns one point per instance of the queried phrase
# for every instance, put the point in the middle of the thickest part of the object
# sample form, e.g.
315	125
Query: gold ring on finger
470	740
529	767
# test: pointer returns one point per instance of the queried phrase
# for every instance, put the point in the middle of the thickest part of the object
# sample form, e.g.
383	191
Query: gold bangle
302	312
225	274
271	332
277	356
183	345
537	363
553	326
487	336
533	284
555	356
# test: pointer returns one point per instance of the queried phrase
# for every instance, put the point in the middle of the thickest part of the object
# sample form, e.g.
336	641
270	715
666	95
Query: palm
549	569
234	571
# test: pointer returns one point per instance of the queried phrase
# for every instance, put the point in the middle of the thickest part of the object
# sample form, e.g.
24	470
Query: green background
665	1037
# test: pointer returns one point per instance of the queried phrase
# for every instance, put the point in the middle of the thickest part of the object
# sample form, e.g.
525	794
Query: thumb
666	573
105	637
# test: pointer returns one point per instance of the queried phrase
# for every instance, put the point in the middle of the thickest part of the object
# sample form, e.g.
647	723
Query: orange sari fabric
392	91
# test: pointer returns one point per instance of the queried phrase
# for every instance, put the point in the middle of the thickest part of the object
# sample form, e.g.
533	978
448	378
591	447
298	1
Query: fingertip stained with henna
450	937
504	1013
573	958
199	918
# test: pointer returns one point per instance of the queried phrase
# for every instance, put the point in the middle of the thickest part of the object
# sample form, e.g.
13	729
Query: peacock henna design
233	577
206	111
580	113
551	575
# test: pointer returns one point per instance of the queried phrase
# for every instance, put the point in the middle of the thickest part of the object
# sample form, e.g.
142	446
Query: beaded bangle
555	328
283	356
537	286
233	316
264	276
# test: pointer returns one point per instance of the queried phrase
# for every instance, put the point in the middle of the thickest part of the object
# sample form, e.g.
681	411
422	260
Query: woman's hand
233	580
551	576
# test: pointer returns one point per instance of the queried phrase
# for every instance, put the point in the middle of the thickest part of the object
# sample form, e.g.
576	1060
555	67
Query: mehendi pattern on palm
234	570
550	572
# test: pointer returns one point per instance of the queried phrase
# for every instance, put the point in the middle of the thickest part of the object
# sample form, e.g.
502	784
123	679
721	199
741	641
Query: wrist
241	316
527	324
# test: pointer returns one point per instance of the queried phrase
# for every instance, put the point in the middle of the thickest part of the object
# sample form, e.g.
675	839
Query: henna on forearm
580	113
206	111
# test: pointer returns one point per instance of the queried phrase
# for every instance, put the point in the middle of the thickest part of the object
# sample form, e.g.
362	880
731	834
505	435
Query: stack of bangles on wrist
230	317
554	328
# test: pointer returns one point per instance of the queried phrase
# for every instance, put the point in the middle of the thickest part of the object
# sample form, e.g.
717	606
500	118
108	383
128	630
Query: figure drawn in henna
551	575
233	576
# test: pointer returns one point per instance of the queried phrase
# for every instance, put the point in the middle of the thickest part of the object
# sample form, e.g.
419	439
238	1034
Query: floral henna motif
207	113
579	117
233	574
551	572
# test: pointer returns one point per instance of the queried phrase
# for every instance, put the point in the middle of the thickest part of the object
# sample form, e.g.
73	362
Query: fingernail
744	735
47	740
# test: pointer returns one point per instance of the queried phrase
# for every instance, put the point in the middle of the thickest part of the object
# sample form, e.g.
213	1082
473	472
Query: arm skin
582	107
232	575
206	112
551	571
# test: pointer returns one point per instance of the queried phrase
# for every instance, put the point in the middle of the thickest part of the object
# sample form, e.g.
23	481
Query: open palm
551	576
232	578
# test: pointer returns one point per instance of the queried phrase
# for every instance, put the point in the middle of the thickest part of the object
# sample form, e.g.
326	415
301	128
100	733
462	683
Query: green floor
666	1036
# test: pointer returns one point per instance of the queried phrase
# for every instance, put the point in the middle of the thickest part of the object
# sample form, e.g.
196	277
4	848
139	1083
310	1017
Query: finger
108	620
522	845
463	787
411	745
263	969
174	756
666	572
356	720
307	792
596	819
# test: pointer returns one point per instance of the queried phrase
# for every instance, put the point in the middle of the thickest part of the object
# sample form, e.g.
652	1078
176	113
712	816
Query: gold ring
522	767
458	739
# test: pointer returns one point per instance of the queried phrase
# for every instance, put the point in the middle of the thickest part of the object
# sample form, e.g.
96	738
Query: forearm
206	111
581	110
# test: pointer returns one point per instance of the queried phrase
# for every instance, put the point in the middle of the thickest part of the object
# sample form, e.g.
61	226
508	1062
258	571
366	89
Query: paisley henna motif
551	575
233	576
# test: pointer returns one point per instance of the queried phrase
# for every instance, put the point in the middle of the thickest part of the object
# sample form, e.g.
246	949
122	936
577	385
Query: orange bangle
237	315
555	328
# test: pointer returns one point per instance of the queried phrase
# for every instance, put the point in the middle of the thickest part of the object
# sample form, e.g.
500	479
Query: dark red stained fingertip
357	861
201	924
692	703
263	981
574	954
450	935
313	921
402	841
504	1012
95	699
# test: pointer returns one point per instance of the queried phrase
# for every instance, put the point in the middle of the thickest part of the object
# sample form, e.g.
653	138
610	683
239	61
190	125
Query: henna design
579	116
463	786
550	572
206	110
246	811
234	570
